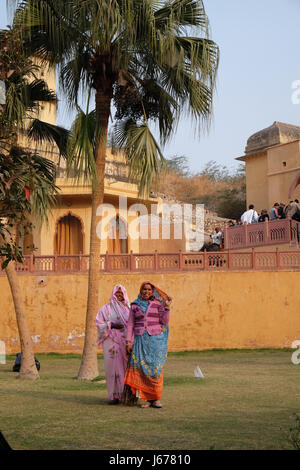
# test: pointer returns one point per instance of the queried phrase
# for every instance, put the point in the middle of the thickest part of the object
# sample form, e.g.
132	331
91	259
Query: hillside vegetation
221	190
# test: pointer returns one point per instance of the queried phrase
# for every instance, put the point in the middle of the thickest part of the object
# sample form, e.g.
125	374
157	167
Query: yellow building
68	229
272	158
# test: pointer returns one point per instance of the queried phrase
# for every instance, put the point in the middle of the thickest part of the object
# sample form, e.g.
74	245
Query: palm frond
142	151
180	13
41	178
48	27
195	96
81	147
201	55
143	97
38	90
74	75
20	169
41	131
16	102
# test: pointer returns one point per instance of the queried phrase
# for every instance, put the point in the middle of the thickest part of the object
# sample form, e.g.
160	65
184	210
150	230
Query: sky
259	63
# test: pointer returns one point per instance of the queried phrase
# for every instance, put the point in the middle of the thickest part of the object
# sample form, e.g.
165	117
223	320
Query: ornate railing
226	260
263	233
53	264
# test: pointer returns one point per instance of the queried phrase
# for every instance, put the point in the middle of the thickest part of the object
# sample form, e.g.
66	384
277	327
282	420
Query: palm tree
27	180
153	60
21	172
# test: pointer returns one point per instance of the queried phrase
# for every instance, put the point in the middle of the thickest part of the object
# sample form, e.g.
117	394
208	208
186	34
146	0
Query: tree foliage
220	189
27	186
178	164
152	59
27	180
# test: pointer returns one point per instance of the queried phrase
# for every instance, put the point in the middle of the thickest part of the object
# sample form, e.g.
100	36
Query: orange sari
145	369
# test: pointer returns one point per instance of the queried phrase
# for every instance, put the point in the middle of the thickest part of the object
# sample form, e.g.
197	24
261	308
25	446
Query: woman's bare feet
147	404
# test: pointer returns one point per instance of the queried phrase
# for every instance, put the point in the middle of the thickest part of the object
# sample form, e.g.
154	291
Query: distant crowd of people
278	211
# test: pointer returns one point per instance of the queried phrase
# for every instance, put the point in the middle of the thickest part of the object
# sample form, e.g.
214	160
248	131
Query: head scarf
116	309
115	304
157	294
113	297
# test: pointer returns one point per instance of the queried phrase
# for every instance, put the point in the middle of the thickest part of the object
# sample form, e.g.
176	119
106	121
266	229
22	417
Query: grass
246	401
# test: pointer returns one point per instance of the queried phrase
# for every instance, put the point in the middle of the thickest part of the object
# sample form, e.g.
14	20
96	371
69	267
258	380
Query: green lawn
246	401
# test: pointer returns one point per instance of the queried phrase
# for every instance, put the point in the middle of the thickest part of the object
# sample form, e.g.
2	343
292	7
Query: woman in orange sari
147	343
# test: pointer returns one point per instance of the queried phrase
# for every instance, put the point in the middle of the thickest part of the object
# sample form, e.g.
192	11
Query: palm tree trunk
28	368
89	365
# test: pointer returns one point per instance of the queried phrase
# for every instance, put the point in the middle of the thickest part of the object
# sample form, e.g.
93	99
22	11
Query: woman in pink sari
112	322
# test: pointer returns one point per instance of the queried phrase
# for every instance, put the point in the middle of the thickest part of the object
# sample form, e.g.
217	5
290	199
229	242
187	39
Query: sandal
156	404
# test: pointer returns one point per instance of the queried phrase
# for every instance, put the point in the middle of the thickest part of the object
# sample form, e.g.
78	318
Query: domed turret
277	133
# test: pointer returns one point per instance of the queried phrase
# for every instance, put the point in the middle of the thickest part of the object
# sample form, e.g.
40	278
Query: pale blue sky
259	43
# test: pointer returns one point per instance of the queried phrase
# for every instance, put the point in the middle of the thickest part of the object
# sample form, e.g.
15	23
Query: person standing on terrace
263	216
281	211
147	345
112	322
250	216
274	212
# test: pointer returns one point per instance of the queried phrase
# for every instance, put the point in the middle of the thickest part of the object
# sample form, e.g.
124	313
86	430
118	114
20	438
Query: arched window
68	236
117	241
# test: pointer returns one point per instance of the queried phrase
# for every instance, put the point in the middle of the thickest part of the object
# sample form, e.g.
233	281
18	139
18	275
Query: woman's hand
168	302
128	347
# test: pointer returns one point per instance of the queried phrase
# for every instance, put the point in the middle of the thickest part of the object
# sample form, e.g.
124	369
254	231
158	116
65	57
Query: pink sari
113	342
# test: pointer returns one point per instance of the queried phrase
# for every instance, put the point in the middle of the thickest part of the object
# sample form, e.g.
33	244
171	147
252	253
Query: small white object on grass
198	373
2	353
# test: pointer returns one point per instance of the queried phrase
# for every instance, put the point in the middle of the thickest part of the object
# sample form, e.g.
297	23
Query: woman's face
146	291
119	295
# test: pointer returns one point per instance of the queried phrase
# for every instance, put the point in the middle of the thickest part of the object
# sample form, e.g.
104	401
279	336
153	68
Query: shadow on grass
181	380
75	398
56	355
228	351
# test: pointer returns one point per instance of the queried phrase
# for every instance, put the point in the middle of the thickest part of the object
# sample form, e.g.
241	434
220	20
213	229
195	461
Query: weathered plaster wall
257	181
210	310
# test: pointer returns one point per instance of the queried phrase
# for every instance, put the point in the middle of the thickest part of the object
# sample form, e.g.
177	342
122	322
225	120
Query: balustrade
163	262
262	233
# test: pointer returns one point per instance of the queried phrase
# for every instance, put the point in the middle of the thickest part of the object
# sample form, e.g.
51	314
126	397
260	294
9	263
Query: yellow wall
47	111
268	179
256	181
280	176
262	311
